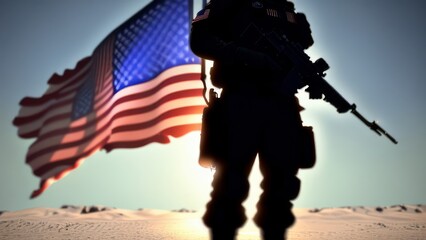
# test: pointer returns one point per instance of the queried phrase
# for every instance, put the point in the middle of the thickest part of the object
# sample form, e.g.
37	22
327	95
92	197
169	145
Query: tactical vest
269	15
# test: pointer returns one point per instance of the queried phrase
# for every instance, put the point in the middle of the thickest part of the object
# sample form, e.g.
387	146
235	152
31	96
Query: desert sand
97	222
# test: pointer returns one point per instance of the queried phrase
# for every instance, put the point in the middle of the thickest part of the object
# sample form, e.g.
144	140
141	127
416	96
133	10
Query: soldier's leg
278	156
280	186
225	213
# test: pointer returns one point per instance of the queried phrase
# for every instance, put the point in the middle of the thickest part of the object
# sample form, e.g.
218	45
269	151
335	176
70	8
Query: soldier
256	116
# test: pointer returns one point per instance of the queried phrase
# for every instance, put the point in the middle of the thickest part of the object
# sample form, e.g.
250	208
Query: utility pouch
307	151
216	75
212	144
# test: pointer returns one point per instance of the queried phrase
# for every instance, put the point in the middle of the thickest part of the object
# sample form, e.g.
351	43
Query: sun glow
255	190
200	178
197	177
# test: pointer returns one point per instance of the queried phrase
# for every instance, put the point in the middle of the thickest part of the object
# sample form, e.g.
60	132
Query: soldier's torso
237	15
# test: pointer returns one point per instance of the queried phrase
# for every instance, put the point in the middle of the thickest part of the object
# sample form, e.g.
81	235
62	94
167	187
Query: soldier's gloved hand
314	90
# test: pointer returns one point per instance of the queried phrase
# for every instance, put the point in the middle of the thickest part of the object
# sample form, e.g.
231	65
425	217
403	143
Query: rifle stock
308	73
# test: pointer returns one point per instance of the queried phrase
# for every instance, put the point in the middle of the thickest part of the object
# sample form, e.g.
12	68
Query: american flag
140	85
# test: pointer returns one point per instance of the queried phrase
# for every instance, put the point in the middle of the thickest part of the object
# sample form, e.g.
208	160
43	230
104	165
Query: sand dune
98	222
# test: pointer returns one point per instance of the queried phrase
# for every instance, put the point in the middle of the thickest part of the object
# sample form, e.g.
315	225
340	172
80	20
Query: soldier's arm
207	33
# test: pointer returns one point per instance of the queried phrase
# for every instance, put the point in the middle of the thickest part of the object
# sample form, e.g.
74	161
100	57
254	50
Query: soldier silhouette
253	116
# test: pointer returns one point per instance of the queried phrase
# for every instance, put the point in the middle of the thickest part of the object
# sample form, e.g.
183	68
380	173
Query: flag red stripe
166	115
169	97
154	87
116	102
122	120
160	138
50	113
31	119
53	120
171	104
68	73
105	63
34	109
72	162
52	94
39	144
61	104
102	66
148	124
46	182
59	154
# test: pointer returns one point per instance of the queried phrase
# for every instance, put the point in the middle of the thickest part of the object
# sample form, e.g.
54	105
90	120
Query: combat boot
222	234
273	234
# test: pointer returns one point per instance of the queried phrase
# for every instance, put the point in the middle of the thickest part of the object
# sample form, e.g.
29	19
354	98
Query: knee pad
224	215
231	187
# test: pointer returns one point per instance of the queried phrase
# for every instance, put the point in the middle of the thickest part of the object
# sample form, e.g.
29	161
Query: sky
377	56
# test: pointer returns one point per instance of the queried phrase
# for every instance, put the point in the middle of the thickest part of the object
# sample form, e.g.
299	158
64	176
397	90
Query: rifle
308	73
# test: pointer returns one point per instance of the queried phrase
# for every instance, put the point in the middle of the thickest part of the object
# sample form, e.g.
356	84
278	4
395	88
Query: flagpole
203	61
190	11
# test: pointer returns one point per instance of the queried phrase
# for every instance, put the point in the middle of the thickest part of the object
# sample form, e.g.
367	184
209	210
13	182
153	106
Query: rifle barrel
373	125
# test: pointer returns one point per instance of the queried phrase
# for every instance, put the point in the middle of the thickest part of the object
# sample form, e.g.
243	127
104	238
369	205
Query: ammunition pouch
307	148
218	74
212	145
